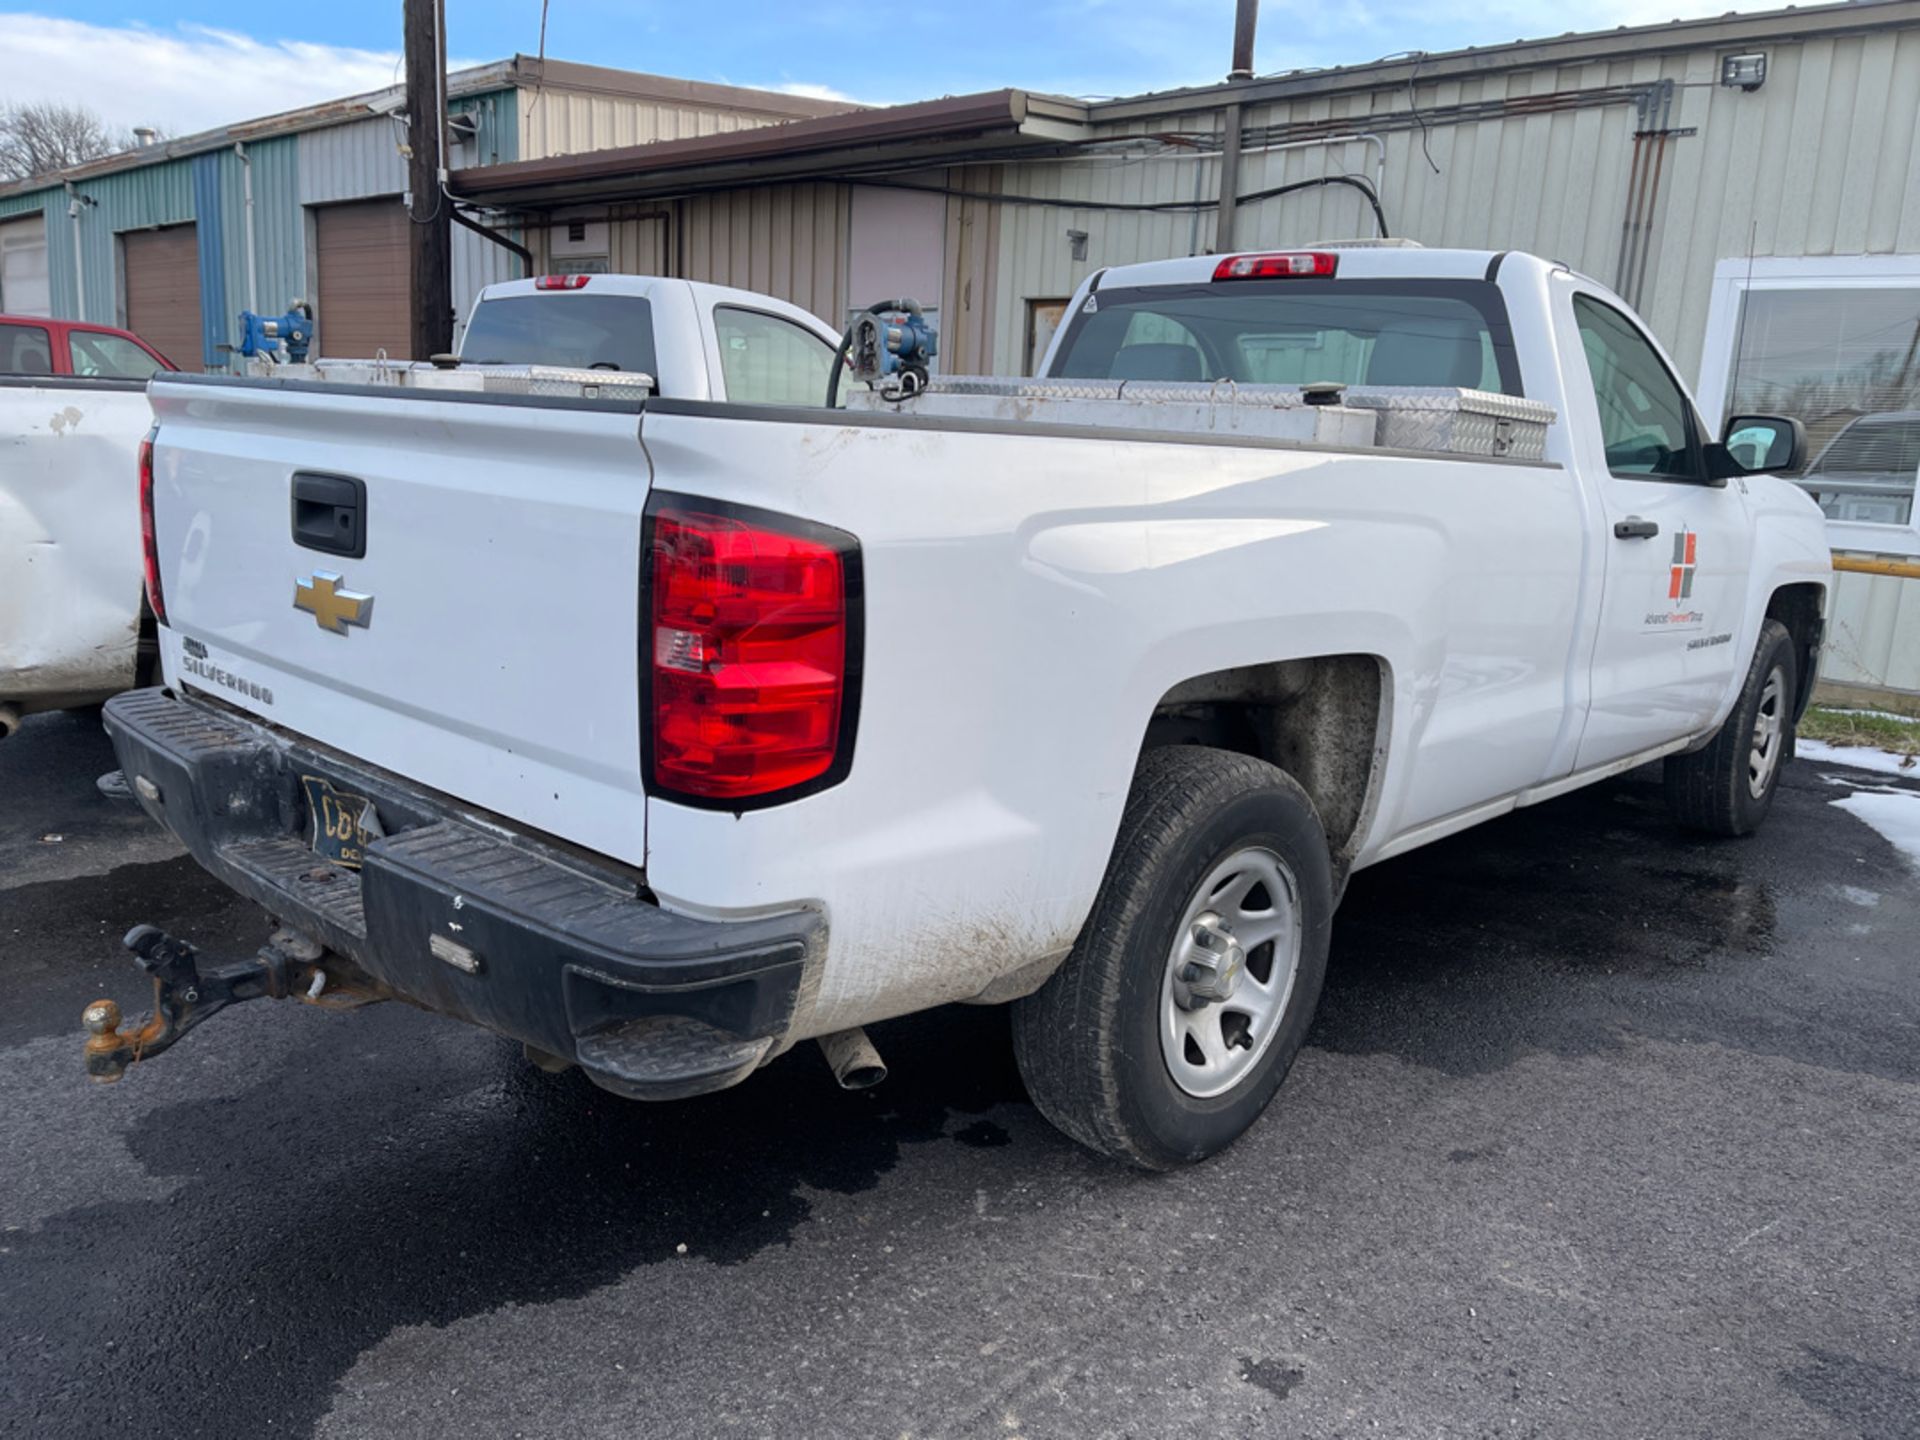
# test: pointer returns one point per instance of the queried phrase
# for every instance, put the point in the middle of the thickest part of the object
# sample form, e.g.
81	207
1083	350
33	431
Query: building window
1835	342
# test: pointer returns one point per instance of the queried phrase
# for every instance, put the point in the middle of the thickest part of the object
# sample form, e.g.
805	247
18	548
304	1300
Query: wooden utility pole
1246	15
430	242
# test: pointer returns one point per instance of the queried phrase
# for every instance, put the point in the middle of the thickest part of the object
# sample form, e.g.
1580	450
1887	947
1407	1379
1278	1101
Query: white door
1677	545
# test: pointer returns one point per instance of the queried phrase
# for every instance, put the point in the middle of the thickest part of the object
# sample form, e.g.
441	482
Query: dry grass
1858	727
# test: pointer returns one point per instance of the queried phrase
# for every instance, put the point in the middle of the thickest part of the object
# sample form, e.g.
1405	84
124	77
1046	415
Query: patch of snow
1860	757
1867	899
1894	813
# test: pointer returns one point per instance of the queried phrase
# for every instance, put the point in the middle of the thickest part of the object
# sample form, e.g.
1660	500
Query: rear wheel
1169	1028
1727	787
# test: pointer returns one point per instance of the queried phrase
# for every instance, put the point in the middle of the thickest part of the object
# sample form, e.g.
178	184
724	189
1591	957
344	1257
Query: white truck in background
70	612
72	627
665	734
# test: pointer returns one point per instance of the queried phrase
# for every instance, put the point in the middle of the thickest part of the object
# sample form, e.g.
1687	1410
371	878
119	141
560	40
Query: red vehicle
32	345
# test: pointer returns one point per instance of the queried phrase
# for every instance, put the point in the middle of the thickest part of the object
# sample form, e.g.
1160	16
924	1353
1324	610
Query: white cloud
182	79
814	92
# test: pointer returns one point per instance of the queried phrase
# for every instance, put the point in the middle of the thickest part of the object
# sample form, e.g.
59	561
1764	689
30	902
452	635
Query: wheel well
1798	608
1318	719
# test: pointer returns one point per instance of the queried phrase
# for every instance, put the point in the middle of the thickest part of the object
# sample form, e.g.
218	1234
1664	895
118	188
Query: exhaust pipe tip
853	1060
9	720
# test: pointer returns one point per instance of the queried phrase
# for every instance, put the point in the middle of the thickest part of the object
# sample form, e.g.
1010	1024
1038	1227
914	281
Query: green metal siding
279	234
27	204
498	141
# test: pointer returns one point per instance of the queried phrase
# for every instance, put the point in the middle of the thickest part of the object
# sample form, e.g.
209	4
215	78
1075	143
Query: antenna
1739	333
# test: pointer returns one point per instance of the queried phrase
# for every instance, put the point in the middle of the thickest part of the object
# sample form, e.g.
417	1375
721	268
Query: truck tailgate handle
330	514
1634	528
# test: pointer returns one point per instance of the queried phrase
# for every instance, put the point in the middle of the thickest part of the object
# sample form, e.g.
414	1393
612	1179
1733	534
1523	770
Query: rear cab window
573	330
1445	333
25	350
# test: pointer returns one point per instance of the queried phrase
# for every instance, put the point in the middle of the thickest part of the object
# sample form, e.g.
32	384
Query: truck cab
698	341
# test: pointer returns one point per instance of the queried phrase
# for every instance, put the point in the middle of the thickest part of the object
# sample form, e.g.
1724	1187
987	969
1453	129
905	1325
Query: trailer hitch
288	965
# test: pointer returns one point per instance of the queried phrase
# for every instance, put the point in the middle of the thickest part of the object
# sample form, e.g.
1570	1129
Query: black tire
1713	789
1088	1042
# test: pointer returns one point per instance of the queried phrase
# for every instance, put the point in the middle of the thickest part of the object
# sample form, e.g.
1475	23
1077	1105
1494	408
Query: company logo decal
1678	613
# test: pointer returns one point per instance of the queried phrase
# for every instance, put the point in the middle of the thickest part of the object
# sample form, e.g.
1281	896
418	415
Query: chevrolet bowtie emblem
332	608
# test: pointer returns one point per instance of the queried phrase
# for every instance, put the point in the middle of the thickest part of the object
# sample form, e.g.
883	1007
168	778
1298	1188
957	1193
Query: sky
188	65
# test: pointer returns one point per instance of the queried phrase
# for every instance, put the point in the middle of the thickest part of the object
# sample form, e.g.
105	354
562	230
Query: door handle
330	514
1634	528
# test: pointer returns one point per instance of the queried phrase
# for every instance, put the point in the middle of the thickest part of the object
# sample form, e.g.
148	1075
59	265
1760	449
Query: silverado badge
332	607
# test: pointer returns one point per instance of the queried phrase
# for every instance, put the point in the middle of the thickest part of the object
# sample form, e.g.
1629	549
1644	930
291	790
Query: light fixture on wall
1743	72
1077	244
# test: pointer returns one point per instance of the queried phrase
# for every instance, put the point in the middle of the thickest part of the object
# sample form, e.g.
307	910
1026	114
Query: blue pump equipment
889	345
267	334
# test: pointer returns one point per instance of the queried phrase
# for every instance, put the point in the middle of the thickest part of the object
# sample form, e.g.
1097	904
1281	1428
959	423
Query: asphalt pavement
1602	1131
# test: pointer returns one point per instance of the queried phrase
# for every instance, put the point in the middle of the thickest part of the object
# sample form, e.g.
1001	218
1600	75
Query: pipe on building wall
460	217
1224	217
75	206
246	185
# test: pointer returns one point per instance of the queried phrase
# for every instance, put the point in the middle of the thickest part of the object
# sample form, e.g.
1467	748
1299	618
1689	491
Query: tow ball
288	965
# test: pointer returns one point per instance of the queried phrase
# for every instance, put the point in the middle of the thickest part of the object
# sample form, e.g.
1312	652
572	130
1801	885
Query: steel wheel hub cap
1230	972
1769	729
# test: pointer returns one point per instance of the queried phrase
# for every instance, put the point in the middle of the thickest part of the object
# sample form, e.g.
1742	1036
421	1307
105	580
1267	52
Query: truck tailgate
494	655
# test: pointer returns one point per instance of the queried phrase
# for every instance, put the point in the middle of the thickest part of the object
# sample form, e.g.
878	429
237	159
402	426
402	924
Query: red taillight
751	652
150	547
1293	265
560	282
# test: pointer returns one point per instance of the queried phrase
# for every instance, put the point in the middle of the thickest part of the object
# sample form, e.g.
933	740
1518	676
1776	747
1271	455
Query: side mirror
1760	445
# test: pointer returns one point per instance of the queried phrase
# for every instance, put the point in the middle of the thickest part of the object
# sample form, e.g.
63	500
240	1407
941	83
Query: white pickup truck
71	628
664	735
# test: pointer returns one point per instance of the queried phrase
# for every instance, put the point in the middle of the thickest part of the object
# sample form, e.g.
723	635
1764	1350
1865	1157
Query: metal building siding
211	235
969	317
1035	260
555	121
477	263
1820	160
1873	633
789	241
279	228
351	162
497	142
29	202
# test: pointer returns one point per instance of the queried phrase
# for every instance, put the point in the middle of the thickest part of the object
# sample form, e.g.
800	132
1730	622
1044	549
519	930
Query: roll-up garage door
364	304
163	291
24	287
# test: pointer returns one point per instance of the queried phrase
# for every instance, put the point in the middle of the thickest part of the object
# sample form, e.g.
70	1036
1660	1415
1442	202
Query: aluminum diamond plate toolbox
1218	409
553	381
1456	422
1439	421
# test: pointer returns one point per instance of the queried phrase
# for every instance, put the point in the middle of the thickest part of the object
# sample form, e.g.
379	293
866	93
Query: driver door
1676	544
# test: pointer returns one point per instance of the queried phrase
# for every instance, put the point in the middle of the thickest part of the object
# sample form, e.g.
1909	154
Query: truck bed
69	539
